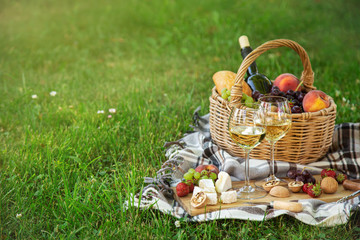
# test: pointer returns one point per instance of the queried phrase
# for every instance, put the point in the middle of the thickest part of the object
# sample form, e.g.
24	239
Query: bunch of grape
295	98
225	94
304	176
194	176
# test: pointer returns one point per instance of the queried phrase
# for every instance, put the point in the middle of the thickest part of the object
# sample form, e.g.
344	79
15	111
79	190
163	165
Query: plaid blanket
197	148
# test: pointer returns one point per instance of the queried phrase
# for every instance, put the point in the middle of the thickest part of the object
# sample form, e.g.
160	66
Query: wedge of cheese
228	197
223	183
207	185
212	198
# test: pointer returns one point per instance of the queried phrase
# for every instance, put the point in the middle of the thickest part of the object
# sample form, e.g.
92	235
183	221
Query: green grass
68	170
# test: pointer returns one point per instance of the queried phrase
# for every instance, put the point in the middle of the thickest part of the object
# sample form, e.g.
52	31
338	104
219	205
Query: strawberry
340	178
314	191
328	172
306	186
182	189
191	185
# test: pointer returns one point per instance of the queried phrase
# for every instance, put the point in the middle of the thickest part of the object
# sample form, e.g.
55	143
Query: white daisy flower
100	111
34	96
112	110
177	223
337	93
18	215
52	93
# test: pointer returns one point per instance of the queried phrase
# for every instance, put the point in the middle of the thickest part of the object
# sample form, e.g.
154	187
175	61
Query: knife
341	200
281	205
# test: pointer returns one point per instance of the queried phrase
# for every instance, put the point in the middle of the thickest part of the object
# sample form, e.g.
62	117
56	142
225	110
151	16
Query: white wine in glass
276	115
247	135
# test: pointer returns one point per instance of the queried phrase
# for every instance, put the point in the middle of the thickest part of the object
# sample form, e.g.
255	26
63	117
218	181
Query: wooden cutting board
185	201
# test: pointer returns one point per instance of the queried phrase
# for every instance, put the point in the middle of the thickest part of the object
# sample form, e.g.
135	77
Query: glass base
260	183
249	192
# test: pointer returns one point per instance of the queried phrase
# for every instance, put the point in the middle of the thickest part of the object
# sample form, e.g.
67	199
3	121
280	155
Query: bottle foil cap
244	41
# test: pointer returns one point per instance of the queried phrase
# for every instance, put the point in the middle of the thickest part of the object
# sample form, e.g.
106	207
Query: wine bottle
254	79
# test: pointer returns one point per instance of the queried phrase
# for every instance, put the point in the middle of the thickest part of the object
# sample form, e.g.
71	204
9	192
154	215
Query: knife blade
281	205
341	200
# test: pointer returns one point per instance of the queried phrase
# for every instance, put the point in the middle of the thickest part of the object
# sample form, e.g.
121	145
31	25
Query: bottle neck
253	68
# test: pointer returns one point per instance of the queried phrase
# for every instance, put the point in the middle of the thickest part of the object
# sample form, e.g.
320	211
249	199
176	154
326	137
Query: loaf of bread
226	79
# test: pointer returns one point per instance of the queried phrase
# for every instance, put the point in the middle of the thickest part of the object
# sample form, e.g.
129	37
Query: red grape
291	174
301	97
306	173
310	179
296	109
300	178
290	92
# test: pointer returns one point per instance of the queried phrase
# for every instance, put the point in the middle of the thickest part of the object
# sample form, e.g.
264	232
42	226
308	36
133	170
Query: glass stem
247	168
272	160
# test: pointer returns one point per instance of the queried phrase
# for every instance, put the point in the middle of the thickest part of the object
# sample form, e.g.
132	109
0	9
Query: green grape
188	176
249	102
224	90
228	92
204	172
204	177
197	175
229	98
224	95
244	97
191	170
213	176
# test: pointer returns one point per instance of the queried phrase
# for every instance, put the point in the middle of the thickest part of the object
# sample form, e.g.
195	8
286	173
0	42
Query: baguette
226	79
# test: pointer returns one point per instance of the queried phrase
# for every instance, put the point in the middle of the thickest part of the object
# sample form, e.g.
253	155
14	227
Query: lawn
66	168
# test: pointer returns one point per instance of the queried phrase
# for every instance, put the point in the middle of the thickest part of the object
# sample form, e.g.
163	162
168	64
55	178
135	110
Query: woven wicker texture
311	133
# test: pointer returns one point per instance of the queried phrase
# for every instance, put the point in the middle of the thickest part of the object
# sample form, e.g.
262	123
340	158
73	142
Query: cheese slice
212	198
223	183
207	185
228	197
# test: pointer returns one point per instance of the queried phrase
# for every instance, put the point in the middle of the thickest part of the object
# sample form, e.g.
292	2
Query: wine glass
276	115
243	129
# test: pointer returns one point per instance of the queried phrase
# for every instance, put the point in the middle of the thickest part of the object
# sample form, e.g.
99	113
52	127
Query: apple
286	81
315	100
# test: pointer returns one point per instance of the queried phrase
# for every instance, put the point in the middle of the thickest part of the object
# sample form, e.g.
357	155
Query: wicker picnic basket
311	133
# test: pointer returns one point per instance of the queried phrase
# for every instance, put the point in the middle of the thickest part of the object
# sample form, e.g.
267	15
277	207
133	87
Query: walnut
198	200
295	186
270	184
329	185
279	191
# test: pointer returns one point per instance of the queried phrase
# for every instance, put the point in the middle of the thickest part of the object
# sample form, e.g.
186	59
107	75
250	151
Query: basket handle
307	75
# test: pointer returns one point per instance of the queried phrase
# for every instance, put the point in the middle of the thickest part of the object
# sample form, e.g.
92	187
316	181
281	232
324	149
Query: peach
209	168
286	81
315	100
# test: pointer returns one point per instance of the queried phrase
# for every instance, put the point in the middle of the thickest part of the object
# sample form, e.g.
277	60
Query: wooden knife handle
291	206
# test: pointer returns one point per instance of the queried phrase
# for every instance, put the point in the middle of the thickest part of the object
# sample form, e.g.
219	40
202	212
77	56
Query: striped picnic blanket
197	148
